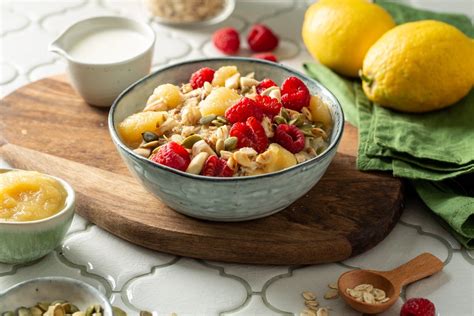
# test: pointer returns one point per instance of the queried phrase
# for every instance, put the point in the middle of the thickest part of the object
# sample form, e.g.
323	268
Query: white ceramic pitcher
101	78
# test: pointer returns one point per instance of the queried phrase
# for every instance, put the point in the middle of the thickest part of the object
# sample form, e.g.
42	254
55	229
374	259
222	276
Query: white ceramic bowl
100	83
50	289
22	242
223	199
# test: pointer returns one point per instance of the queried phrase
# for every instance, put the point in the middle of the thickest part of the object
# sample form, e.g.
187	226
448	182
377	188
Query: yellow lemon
338	33
419	67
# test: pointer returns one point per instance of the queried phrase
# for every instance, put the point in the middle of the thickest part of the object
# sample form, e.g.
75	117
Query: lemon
338	33
419	67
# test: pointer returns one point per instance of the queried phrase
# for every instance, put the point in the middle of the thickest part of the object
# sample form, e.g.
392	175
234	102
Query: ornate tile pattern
135	278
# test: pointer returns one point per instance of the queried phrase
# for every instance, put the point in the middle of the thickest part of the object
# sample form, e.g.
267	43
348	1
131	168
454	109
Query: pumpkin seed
217	123
149	136
230	143
43	306
23	311
145	313
79	314
90	310
152	144
331	294
298	120
279	120
222	119
284	113
36	311
118	312
205	120
189	141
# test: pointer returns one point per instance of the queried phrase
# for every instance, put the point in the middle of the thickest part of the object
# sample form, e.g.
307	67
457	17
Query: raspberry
418	307
294	94
250	134
216	167
266	56
262	39
265	84
269	105
202	75
290	137
242	110
172	155
226	40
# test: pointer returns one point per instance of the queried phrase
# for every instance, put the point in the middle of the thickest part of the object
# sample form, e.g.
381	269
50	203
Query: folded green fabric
434	150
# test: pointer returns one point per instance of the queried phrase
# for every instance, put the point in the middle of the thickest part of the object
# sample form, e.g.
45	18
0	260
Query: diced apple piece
132	127
277	158
320	112
218	101
222	74
167	95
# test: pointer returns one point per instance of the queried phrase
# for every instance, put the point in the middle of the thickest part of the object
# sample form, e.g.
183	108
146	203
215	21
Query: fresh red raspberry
262	39
242	110
290	137
269	105
202	75
294	94
250	134
172	155
226	40
265	84
418	307
216	167
266	56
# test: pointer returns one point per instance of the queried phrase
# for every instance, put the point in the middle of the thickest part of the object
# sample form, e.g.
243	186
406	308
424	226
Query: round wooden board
45	126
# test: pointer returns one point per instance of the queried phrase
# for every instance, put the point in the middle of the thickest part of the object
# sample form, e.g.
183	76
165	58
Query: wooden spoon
390	281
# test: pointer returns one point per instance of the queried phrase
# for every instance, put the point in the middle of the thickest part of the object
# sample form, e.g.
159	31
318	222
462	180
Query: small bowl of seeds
190	13
54	296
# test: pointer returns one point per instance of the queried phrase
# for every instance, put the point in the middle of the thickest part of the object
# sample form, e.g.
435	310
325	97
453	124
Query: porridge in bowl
226	124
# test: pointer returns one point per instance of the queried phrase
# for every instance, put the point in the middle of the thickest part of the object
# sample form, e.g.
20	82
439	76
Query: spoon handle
418	268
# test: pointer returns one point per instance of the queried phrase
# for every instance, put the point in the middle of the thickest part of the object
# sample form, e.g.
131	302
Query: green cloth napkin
434	150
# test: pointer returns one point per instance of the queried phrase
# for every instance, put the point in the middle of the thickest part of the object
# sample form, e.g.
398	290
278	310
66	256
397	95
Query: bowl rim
95	292
68	204
116	139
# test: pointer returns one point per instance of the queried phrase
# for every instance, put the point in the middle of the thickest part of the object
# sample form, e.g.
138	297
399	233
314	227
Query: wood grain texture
47	127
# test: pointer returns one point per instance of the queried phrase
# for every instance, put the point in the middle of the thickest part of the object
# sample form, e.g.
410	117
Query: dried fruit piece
265	84
244	109
290	137
226	40
261	38
270	106
294	94
266	56
216	167
418	307
198	78
250	134
218	101
172	155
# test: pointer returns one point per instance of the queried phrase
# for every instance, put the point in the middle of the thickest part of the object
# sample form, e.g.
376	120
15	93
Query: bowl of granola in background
190	12
219	198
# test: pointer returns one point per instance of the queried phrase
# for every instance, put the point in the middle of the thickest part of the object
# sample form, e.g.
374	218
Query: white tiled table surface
139	279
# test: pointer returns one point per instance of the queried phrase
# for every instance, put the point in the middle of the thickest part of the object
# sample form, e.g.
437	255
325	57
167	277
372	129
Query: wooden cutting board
45	126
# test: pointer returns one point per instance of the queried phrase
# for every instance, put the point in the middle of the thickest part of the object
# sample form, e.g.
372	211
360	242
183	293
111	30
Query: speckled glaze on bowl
22	242
223	199
49	289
